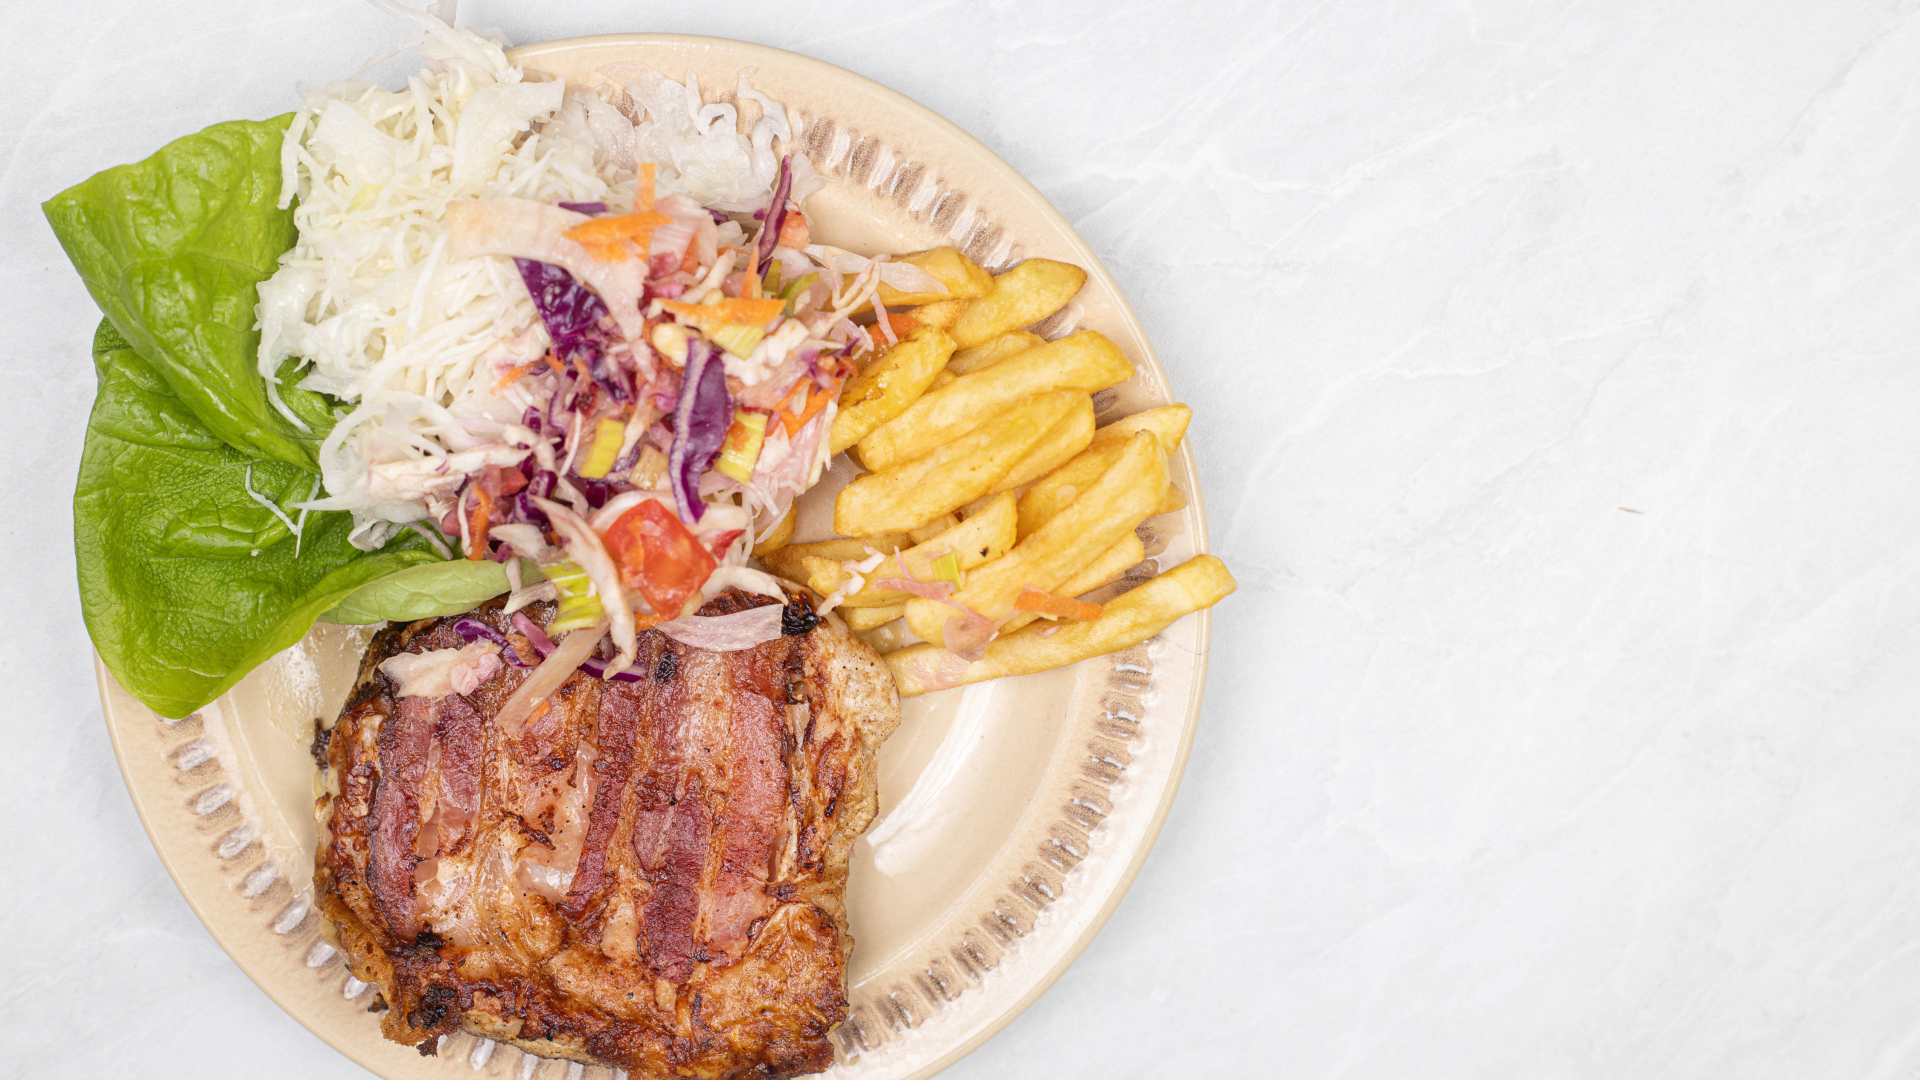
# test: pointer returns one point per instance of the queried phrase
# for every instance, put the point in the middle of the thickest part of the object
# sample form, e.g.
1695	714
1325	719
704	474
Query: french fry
782	532
941	380
982	538
1106	568
941	313
1023	295
1127	620
1085	361
788	562
867	618
973	507
1011	343
1167	422
1077	535
964	280
955	474
889	385
933	528
1174	499
1052	492
888	637
1067	438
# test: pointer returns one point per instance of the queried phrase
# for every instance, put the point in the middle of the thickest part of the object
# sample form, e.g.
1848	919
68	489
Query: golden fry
1128	619
941	314
789	562
1011	343
1068	437
1085	361
1174	499
1052	492
782	532
888	637
933	528
1022	296
1095	521
958	472
964	280
1108	567
868	618
1167	422
982	538
889	385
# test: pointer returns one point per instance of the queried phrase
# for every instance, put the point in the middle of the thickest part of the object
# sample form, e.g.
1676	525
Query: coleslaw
581	326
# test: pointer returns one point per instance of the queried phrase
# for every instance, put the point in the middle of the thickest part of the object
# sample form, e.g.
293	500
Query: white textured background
1555	370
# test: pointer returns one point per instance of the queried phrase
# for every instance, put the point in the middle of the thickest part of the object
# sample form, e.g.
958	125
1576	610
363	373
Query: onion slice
587	550
564	661
727	633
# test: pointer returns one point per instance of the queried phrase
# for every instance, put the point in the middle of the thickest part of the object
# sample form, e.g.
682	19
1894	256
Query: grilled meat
648	874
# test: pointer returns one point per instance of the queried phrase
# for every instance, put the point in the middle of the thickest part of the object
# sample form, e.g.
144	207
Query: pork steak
648	874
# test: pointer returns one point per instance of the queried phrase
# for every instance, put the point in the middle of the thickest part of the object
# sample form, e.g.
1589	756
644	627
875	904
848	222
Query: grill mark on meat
666	927
670	826
457	729
756	790
404	742
621	713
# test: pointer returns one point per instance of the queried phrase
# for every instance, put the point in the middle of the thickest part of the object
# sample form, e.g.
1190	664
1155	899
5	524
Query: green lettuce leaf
187	579
186	582
173	249
422	592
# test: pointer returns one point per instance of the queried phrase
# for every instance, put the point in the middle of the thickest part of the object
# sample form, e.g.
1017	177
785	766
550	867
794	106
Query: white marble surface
1556	376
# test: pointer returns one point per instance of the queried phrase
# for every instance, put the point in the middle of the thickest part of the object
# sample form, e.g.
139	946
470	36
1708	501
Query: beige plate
1013	814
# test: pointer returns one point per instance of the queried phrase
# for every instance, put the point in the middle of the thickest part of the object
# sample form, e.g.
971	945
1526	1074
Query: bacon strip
670	825
457	727
405	739
666	925
756	792
621	711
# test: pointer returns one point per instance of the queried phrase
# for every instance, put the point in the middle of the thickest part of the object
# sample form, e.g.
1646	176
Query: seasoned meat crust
647	875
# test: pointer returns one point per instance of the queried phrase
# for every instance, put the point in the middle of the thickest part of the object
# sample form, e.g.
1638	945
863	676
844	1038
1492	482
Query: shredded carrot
784	410
513	376
800	388
737	310
605	238
554	363
1060	607
817	399
540	709
901	324
642	622
482	521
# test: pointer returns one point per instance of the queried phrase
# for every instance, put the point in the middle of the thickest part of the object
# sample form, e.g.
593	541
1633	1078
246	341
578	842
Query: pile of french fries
984	468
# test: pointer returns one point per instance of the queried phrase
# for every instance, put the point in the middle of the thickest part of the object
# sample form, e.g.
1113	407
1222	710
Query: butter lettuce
187	581
172	249
421	592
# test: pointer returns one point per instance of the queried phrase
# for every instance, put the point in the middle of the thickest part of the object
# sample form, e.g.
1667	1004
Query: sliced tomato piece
723	541
659	557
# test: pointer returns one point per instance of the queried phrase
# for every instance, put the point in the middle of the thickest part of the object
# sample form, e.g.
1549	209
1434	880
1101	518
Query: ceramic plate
1013	814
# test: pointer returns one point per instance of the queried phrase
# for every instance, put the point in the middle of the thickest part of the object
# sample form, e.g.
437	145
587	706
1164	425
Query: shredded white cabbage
368	298
385	311
714	163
